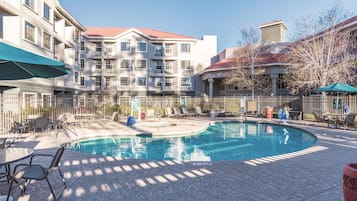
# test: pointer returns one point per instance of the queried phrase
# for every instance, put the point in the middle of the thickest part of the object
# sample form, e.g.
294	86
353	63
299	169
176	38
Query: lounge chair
177	112
24	173
186	112
150	113
115	116
168	112
70	119
200	113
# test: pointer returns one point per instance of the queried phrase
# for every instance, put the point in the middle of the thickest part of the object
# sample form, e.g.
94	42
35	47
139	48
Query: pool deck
313	174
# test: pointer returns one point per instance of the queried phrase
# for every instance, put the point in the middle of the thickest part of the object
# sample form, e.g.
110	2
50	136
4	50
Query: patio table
11	155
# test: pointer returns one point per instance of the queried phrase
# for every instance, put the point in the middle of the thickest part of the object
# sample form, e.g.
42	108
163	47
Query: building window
108	82
76	56
169	49
125	63
82	45
158	50
141	47
125	46
124	81
82	81
46	40
185	48
185	82
108	64
186	65
168	82
98	46
98	64
30	4
29	100
98	82
82	63
141	81
30	32
168	65
108	50
158	65
76	35
46	11
46	100
281	82
141	64
158	82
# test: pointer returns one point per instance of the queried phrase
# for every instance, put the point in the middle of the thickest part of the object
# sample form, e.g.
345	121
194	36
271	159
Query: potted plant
350	182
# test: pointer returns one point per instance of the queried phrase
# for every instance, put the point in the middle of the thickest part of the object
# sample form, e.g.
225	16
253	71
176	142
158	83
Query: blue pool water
221	141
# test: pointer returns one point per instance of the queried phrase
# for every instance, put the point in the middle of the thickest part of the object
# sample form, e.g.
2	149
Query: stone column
274	78
210	87
203	88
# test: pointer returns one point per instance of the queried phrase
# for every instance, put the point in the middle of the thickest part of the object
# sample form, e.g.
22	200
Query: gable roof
112	32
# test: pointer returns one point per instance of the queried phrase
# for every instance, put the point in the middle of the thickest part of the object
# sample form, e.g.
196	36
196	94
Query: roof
275	22
112	32
264	59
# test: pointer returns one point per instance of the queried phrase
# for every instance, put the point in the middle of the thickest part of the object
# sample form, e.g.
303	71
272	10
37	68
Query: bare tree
246	56
318	57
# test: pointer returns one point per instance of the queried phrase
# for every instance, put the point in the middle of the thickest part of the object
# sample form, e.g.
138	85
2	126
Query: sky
223	18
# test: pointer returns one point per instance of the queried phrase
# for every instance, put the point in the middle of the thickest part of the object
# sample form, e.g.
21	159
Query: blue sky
223	18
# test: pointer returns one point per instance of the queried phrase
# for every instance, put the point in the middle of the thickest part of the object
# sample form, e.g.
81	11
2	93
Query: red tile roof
265	59
112	32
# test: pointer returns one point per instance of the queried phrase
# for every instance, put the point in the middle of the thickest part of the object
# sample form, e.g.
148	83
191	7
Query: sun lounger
177	112
186	112
200	113
168	112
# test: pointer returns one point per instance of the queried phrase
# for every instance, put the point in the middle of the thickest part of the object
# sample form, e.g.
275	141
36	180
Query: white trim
35	42
137	81
124	50
23	99
43	32
141	59
189	80
128	59
128	81
29	7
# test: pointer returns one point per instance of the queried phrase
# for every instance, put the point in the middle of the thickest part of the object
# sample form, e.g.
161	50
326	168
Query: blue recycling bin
131	121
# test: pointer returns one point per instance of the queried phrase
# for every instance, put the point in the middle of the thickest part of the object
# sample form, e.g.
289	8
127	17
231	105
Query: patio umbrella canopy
17	64
338	87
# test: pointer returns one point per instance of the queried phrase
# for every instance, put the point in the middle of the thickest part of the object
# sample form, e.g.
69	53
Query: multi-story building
141	62
45	28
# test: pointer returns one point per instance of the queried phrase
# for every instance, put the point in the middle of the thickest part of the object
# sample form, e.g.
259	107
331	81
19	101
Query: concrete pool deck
312	174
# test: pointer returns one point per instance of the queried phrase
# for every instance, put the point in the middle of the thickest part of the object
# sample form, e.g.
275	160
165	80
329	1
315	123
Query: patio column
203	88
274	78
210	87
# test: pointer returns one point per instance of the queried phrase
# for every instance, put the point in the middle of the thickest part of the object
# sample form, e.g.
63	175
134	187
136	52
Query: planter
350	182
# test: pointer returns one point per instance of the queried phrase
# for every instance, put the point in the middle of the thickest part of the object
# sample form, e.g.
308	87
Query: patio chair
350	120
41	124
200	113
177	112
168	112
5	173
28	172
186	112
20	128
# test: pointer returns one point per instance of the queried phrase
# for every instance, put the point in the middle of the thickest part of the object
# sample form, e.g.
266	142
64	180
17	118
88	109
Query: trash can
268	112
350	182
142	115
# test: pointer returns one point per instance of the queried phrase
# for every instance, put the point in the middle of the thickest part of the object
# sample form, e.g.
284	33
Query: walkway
311	175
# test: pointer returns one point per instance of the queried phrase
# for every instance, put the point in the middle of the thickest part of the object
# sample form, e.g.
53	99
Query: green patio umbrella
17	64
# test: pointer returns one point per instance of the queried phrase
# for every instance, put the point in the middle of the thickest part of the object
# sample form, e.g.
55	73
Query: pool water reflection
221	141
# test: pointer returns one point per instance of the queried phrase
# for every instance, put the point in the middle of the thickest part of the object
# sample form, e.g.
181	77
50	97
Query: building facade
143	62
44	28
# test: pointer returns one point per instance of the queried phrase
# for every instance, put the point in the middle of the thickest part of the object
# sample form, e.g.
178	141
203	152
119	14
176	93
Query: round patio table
11	155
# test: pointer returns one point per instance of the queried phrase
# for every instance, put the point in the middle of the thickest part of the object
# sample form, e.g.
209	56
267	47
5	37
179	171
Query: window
82	63
76	77
108	82
158	81
46	11
76	35
108	64
168	82
158	50
168	65
29	100
141	81
158	65
185	82
30	4
108	50
46	40
141	64
125	63
76	56
125	46
124	81
98	82
141	47
98	46
185	48
82	45
30	32
169	49
98	64
46	100
186	65
82	81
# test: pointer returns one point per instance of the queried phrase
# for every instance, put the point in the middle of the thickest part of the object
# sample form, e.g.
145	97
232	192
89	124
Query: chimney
274	31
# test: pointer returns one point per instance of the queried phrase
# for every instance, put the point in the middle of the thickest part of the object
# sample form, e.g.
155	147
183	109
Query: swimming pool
221	141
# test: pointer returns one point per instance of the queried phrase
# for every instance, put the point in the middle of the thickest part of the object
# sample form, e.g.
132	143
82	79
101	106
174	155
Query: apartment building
45	28
141	62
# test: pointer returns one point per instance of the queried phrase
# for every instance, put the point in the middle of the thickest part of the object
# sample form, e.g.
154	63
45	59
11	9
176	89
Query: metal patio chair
28	172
